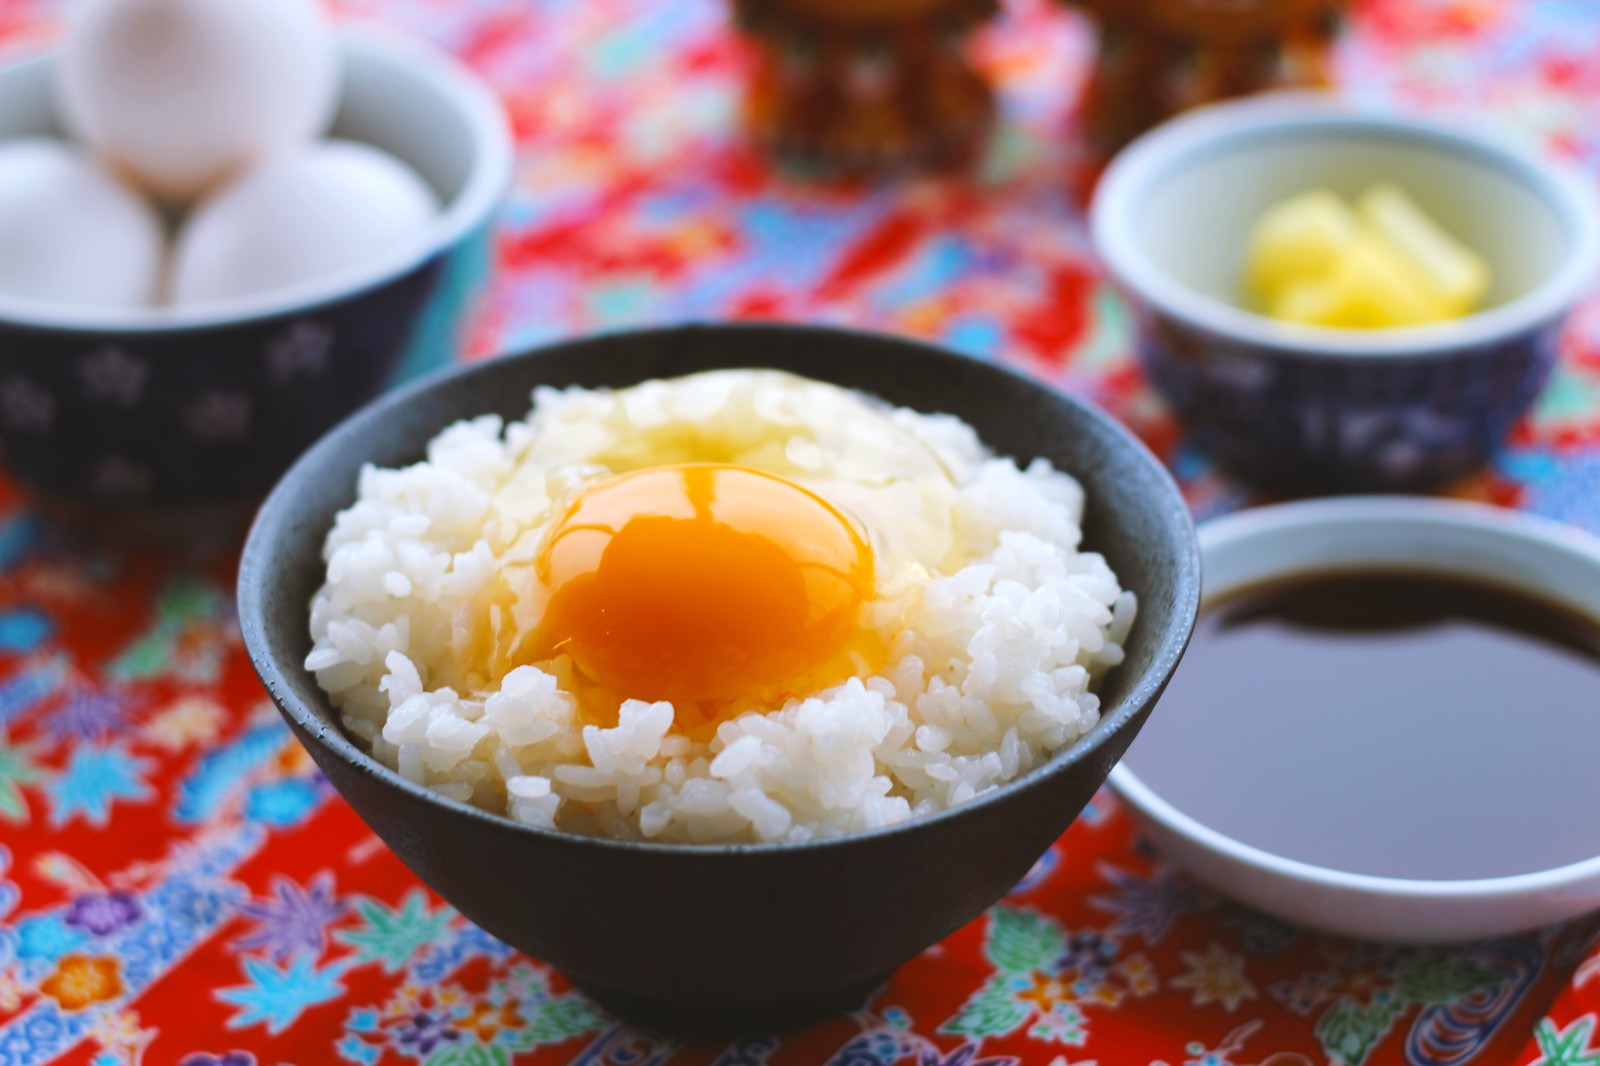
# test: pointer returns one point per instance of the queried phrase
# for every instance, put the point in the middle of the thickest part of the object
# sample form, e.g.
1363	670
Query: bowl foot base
725	1021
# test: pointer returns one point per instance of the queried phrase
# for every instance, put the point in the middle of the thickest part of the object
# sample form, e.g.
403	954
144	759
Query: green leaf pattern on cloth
16	769
994	1010
563	1018
1566	1047
469	1055
1045	976
1442	978
1350	1030
391	936
1022	940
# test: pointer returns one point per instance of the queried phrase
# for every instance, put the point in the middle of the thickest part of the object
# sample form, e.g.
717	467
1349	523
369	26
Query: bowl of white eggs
226	225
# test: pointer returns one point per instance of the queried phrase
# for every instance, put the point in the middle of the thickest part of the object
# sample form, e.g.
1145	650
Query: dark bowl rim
459	217
275	521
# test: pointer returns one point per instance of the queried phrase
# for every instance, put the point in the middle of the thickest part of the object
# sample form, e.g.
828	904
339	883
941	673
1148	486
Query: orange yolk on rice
714	586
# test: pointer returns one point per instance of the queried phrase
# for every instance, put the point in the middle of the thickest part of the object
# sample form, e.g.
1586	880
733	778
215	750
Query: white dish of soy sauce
1388	722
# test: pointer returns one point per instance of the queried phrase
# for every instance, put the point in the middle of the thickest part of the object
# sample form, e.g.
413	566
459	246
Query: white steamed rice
991	667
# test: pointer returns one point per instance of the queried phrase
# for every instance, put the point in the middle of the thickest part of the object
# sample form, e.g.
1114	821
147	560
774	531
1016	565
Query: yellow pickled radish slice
1313	260
1312	303
1370	288
1298	241
1458	275
1384	287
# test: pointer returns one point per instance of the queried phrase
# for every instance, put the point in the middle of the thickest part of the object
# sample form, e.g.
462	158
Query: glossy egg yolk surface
701	584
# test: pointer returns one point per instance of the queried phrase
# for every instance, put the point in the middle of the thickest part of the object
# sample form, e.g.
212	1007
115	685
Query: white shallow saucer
1545	559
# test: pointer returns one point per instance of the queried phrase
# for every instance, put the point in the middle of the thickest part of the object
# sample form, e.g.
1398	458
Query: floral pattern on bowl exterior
198	415
1306	422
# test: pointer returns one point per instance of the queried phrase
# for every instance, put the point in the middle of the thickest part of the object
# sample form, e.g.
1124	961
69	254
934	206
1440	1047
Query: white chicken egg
71	233
181	94
299	218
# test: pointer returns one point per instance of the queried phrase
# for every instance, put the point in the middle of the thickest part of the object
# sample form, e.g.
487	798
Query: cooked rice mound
996	626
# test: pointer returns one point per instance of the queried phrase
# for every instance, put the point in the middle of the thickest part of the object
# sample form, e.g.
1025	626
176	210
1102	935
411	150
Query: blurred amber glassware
866	86
1157	58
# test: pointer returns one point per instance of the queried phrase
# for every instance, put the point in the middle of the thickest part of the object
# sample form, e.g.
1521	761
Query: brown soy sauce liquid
1387	723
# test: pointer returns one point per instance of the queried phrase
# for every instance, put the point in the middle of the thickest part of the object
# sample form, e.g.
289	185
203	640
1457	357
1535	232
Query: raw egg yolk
701	583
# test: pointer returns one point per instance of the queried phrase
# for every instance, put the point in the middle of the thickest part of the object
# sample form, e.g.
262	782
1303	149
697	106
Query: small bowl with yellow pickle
1337	300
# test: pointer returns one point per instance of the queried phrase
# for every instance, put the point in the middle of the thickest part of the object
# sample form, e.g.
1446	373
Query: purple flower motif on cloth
1090	953
1147	907
25	407
103	915
87	715
116	476
111	375
302	350
293	919
965	1055
219	416
1307	992
231	1058
424	1031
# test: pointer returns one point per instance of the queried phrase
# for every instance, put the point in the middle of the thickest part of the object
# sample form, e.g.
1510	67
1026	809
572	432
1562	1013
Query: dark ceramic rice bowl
724	939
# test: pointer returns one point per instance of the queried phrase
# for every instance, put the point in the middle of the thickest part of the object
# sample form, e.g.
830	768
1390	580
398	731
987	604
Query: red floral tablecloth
178	885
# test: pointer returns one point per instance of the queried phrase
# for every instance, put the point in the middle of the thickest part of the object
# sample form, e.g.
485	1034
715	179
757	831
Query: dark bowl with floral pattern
174	410
1300	408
